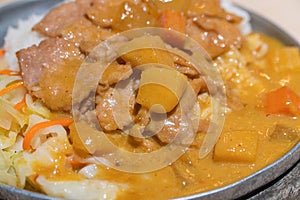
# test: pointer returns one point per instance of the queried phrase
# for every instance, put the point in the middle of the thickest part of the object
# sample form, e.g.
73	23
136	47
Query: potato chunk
147	52
161	86
236	147
283	59
285	134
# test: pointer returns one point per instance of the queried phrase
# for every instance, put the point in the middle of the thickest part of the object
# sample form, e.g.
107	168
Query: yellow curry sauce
190	175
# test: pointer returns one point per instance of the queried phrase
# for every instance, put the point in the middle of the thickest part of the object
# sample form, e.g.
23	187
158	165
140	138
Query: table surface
285	14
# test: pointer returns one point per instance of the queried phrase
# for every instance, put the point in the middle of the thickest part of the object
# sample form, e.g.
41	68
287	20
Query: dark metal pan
280	180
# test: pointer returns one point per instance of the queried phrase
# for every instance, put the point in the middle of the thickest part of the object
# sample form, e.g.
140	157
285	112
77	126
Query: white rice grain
20	37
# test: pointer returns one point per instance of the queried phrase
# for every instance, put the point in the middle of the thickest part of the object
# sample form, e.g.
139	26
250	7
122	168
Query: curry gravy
189	174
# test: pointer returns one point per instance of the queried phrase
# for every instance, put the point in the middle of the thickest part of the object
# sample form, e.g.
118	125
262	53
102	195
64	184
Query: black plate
276	181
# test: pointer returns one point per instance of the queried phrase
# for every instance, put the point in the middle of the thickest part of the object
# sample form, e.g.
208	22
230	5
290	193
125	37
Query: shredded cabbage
5	161
7	80
44	154
8	179
83	189
37	107
7	140
17	146
46	149
18	116
89	171
23	169
7	176
17	94
5	119
41	135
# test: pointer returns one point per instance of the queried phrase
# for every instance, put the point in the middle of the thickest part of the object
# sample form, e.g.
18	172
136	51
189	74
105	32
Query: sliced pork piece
100	14
115	73
184	66
59	18
116	106
198	84
228	33
212	8
173	125
85	34
214	34
69	22
49	70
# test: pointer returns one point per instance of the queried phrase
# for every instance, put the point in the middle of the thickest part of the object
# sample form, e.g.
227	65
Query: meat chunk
68	21
100	14
116	106
88	45
104	111
184	66
85	34
173	125
212	8
198	84
49	71
59	18
230	34
115	73
214	34
130	15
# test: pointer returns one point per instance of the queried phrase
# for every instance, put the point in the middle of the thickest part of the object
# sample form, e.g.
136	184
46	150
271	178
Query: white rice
22	36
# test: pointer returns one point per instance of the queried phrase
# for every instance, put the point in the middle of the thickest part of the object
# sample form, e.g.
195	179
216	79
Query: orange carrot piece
20	105
2	52
33	130
11	87
74	161
283	101
173	20
9	72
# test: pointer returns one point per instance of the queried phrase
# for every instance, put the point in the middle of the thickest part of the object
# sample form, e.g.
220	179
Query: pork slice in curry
49	71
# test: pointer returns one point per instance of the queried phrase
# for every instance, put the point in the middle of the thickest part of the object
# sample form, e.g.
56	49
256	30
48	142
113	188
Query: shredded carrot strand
2	52
20	105
33	130
73	161
9	72
11	87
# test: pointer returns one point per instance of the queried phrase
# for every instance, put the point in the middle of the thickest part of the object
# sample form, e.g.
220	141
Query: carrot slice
283	101
20	105
34	129
11	87
2	52
9	72
74	161
171	19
